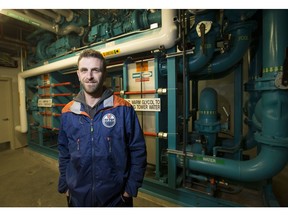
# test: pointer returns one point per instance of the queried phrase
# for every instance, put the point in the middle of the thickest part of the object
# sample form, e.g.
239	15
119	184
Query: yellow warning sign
111	52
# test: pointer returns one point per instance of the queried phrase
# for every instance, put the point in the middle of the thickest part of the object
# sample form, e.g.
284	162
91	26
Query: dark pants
124	202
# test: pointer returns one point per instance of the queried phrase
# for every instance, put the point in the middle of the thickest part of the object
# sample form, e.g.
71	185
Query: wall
12	73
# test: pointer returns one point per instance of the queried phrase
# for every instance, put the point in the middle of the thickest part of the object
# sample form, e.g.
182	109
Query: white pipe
31	19
166	37
51	14
23	127
68	14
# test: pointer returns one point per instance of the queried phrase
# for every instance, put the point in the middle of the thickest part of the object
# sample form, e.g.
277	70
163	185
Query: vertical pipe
238	104
255	65
184	82
273	155
275	39
194	101
274	100
157	122
172	119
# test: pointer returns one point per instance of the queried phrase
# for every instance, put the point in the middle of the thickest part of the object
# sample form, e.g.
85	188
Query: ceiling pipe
11	45
71	28
164	37
51	14
29	18
68	14
16	41
13	42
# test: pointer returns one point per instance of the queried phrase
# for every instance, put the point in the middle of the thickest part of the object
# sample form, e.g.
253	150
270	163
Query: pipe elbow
168	32
270	161
21	128
71	28
168	37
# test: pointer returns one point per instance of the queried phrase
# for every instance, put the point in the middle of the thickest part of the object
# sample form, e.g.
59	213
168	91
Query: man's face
91	75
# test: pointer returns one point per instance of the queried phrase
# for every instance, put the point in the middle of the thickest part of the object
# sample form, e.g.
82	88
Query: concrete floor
29	179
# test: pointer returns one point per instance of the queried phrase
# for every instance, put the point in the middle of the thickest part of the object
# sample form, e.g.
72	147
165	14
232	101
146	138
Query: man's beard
91	89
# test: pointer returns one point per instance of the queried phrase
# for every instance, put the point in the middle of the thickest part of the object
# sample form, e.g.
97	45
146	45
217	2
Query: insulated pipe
166	36
68	14
51	14
30	19
71	28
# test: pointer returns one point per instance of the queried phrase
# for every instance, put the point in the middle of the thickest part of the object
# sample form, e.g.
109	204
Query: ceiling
14	31
12	35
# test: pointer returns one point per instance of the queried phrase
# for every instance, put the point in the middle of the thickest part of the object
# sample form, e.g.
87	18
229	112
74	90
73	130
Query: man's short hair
94	54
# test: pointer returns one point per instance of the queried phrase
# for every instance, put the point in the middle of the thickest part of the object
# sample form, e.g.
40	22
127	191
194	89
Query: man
102	151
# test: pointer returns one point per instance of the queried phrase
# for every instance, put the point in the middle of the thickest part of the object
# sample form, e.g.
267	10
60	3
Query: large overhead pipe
68	14
71	28
56	17
155	39
30	19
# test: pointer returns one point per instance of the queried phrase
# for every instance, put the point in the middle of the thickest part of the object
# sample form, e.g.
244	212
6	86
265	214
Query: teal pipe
275	41
199	60
172	119
208	115
238	105
253	72
274	118
208	106
274	113
241	38
274	101
256	118
208	123
270	161
270	113
203	54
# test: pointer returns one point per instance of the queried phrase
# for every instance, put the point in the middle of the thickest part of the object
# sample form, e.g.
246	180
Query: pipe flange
162	135
278	81
122	93
208	25
271	140
162	91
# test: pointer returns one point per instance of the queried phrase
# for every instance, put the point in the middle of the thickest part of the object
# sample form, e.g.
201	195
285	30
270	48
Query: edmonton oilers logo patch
109	120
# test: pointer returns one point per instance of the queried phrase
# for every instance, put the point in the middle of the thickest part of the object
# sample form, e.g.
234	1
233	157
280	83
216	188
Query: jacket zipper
78	144
93	176
109	144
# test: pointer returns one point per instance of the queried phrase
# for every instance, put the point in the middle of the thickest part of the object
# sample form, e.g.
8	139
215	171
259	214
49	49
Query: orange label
142	66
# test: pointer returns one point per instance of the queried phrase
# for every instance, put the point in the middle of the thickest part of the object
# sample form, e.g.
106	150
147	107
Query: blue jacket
100	158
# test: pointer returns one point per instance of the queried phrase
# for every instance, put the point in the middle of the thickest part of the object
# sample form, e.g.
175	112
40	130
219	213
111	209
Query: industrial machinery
209	88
